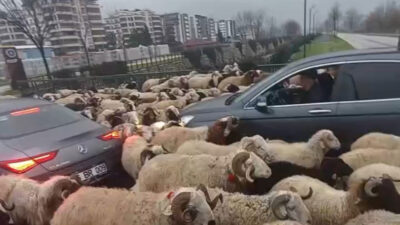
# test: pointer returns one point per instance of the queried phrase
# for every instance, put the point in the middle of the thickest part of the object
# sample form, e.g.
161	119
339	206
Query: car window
368	81
35	119
306	87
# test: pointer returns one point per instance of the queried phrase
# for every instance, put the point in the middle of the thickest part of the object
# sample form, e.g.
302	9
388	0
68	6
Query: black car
303	97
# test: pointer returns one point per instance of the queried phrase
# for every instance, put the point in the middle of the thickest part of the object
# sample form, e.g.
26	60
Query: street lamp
310	19
314	28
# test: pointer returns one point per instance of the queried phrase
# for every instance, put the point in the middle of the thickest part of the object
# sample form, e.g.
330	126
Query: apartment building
227	28
124	22
75	22
177	27
212	31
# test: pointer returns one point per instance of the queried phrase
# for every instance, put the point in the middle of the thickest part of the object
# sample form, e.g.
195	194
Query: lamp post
310	19
314	30
305	26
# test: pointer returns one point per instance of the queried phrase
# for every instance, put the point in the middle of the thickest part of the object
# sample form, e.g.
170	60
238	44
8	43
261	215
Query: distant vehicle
365	97
40	139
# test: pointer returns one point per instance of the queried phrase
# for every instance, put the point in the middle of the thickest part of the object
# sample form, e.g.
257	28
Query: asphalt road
361	41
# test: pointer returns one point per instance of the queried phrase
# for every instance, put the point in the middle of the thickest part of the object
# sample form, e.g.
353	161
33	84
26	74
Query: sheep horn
308	196
276	205
65	194
370	185
6	206
238	162
146	155
214	202
179	208
249	172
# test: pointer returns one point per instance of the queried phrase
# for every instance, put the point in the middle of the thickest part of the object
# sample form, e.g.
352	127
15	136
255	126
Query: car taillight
23	165
25	111
112	135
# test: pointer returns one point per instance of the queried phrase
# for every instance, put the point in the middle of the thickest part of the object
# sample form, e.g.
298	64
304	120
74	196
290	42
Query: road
361	41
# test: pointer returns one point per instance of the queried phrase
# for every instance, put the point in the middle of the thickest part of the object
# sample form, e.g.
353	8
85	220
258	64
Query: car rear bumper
112	158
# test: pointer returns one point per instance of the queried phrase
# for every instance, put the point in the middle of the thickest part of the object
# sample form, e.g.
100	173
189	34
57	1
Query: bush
210	53
239	46
253	45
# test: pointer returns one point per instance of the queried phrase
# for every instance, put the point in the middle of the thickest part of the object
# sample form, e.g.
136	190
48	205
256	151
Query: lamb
32	203
100	206
374	170
244	80
307	154
377	141
376	217
200	82
330	207
240	209
221	132
152	82
133	157
231	173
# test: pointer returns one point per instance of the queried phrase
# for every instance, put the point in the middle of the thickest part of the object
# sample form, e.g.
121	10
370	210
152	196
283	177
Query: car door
374	103
288	122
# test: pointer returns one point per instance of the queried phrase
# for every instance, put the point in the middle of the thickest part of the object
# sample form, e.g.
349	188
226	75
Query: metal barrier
41	86
270	68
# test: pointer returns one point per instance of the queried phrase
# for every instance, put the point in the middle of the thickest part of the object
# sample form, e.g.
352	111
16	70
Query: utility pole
314	27
305	26
310	20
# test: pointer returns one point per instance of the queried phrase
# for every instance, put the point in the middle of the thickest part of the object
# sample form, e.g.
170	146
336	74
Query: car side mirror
261	103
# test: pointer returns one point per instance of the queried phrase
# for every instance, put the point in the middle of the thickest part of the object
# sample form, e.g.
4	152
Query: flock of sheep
211	175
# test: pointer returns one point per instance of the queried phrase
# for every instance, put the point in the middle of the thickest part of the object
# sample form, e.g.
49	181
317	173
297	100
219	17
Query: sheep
66	92
221	132
100	206
235	88
111	104
199	82
284	222
211	92
152	115
376	217
179	103
132	159
307	154
374	170
124	92
51	97
176	92
78	105
378	141
152	82
240	209
231	173
330	206
125	129
33	203
244	80
70	99
199	147
131	117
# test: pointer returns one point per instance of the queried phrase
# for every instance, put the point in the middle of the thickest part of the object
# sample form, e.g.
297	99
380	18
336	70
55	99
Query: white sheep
363	157
111	104
240	209
284	222
198	147
374	170
307	154
66	92
244	80
35	203
100	206
218	133
132	154
327	205
150	83
205	82
125	129
179	103
378	141
229	172
376	217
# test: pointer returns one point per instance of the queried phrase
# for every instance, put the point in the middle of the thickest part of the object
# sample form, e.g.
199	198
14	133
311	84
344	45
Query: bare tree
352	20
251	23
335	15
292	28
34	18
84	29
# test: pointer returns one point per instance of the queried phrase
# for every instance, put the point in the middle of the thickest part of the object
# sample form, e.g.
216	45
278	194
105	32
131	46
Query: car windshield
34	119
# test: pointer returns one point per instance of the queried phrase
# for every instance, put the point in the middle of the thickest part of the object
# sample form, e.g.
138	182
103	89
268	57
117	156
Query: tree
251	24
220	37
352	20
335	15
140	37
34	18
292	28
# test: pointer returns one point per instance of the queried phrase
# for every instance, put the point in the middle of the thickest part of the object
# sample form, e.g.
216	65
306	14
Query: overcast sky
227	9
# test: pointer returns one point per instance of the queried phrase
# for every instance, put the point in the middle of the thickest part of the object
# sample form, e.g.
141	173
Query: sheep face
334	168
327	140
177	92
290	206
150	116
257	145
172	113
248	166
190	207
228	123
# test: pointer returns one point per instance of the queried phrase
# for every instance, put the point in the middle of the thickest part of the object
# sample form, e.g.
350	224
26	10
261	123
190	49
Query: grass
320	46
16	93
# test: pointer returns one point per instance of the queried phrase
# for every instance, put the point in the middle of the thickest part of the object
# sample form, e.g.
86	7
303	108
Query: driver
311	89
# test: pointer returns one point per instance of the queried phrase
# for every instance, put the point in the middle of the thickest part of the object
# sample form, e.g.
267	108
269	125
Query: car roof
21	103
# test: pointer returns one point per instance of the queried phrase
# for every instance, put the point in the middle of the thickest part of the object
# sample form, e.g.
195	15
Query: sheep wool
363	157
376	217
377	140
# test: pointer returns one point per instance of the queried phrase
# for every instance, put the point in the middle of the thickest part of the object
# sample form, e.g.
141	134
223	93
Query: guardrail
270	68
41	86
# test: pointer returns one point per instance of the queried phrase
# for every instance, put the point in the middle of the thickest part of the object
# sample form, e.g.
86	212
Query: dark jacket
326	82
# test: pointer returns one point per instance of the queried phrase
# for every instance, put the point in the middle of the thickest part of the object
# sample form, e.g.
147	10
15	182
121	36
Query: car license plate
92	172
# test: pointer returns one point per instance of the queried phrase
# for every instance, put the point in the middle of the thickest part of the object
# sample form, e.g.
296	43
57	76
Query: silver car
40	139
